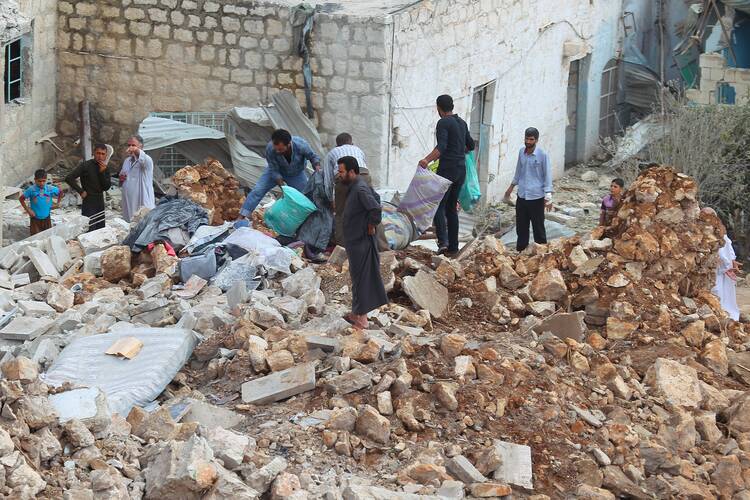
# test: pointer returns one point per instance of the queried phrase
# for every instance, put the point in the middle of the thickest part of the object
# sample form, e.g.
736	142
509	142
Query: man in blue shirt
285	160
534	180
40	205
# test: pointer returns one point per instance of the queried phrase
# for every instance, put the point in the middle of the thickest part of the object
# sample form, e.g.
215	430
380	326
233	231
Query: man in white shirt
336	189
137	179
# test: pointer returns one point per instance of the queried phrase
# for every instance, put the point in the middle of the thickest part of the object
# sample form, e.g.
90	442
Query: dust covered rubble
595	367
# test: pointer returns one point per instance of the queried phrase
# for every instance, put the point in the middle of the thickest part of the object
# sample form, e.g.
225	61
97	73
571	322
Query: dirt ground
743	298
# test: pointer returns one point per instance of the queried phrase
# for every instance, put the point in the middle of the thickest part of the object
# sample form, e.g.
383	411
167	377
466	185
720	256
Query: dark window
609	123
13	74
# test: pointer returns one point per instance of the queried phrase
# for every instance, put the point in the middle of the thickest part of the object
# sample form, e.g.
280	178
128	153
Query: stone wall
132	57
24	122
715	72
455	46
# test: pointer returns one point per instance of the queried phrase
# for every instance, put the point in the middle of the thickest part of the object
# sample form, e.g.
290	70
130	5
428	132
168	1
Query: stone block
58	252
115	263
42	262
515	467
60	298
36	309
325	344
425	291
280	385
564	326
101	239
347	382
463	470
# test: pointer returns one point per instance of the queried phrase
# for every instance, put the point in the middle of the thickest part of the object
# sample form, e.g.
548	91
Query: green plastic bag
287	214
470	192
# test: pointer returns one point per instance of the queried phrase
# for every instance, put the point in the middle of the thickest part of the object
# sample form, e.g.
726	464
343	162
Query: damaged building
375	69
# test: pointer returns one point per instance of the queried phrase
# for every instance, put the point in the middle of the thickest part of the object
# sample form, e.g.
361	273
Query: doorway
575	131
480	128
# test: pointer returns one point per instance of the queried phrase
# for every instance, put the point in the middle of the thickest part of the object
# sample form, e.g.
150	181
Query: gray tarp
316	230
241	147
126	382
166	215
642	85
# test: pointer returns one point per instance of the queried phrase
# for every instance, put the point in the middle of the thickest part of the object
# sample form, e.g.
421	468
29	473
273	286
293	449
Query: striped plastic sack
423	196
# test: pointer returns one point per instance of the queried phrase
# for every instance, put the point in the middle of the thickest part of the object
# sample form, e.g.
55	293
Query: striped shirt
332	167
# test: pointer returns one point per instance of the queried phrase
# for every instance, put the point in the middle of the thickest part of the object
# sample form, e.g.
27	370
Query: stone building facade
25	120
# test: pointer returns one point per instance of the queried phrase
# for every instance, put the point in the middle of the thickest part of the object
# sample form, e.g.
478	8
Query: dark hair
349	163
445	102
531	132
136	137
343	138
100	146
281	136
40	174
619	182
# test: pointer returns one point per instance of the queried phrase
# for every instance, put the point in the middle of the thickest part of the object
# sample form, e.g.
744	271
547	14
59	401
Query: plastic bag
423	196
251	240
201	265
470	192
287	214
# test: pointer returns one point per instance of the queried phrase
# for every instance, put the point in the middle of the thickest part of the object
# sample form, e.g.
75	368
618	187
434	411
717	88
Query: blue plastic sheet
471	192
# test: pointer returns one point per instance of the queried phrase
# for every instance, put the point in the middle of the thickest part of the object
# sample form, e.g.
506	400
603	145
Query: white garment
726	287
138	188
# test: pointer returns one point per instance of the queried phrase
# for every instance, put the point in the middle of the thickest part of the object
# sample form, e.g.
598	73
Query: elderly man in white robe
726	280
136	179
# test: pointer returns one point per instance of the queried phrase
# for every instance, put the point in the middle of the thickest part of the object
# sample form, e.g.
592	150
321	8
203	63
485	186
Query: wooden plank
127	347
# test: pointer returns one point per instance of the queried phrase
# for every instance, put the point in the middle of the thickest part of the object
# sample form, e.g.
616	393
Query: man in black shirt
453	142
95	180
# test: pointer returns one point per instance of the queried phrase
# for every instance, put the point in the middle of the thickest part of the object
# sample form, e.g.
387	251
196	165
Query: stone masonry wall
456	46
132	57
714	71
23	123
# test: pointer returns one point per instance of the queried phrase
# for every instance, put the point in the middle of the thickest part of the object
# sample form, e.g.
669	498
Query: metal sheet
287	114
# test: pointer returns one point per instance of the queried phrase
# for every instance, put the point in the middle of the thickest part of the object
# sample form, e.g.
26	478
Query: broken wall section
720	84
25	121
129	58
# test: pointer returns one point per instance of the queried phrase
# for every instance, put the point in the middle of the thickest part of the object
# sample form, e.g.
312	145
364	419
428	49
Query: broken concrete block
211	416
373	425
338	256
515	466
301	282
463	470
425	292
89	405
159	284
157	317
60	298
115	263
36	309
261	479
564	325
347	382
280	360
264	316
20	368
10	259
280	385
325	344
42	262
37	411
228	485
292	309
92	263
149	304
182	470
229	446
101	239
58	252
26	328
549	285
677	383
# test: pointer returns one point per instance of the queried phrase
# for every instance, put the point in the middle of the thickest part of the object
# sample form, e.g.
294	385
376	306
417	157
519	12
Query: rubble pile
598	366
211	186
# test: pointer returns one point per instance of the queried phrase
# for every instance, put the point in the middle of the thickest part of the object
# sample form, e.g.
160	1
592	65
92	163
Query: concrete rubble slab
280	385
42	262
36	309
564	326
425	291
101	239
326	344
58	252
211	416
10	259
366	492
347	382
463	470
515	466
25	328
89	405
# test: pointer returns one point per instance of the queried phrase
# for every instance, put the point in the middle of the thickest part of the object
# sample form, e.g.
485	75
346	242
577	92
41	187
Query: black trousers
446	217
530	211
92	205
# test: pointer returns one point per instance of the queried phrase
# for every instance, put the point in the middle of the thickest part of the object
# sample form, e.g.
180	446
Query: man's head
615	189
135	143
100	153
530	137
40	177
281	140
348	169
444	104
343	139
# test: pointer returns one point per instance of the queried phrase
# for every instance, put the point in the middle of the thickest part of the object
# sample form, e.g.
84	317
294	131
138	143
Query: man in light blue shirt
534	180
285	159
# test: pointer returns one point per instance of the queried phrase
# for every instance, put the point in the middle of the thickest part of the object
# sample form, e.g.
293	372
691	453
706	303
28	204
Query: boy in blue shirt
40	202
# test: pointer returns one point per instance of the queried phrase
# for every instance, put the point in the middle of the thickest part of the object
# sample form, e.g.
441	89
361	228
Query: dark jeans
446	217
530	211
93	205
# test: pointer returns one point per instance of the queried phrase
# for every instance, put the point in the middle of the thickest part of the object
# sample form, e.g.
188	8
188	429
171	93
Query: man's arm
307	151
516	176
547	178
59	195
370	202
441	136
72	178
